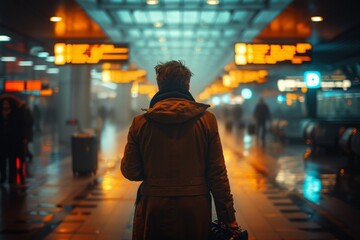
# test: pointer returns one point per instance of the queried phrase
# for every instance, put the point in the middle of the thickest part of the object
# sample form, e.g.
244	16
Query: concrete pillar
123	112
73	100
311	102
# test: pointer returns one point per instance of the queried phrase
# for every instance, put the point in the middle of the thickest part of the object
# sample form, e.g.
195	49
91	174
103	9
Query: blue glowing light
312	79
312	188
216	100
226	98
246	93
281	98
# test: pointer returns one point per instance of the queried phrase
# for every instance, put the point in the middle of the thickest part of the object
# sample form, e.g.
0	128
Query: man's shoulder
139	118
208	115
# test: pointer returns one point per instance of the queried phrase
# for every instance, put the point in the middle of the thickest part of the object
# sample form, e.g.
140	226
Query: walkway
53	204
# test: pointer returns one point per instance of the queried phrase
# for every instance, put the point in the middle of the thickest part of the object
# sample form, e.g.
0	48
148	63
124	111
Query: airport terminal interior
83	69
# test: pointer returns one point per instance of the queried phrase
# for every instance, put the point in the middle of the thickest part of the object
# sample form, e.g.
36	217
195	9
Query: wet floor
280	192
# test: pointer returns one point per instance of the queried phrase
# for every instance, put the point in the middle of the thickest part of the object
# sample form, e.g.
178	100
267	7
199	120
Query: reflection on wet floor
272	203
323	180
293	168
278	194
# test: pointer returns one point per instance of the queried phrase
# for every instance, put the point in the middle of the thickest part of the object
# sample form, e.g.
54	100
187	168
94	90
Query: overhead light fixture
4	38
8	59
158	24
50	59
317	19
40	67
25	63
52	70
152	2
43	54
212	2
56	19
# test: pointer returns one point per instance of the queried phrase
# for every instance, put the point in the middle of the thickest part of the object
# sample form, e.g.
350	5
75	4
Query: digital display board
14	86
272	53
33	85
122	76
22	85
89	53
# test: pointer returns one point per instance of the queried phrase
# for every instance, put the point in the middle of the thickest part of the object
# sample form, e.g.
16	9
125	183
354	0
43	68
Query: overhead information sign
14	86
272	53
122	76
89	53
33	85
25	86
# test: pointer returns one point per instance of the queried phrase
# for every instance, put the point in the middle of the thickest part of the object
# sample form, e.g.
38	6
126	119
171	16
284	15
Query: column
73	100
311	102
123	103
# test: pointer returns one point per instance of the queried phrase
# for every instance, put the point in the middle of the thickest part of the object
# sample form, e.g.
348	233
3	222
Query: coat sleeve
131	164
217	177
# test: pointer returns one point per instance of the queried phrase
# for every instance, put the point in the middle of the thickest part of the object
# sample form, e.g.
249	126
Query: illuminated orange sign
89	53
235	77
33	85
46	92
14	86
148	89
122	76
272	53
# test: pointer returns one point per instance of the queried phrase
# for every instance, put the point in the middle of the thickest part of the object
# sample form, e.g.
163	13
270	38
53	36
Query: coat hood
175	110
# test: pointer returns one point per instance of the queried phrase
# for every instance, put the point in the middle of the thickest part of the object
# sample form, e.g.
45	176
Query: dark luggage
84	153
219	231
251	129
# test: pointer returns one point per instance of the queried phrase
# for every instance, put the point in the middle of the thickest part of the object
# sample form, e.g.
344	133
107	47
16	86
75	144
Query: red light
14	86
17	163
33	85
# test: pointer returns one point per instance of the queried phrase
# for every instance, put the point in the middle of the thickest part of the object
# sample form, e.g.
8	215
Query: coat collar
171	93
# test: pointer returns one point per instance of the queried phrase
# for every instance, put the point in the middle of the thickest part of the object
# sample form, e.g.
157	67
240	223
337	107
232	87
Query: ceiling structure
200	34
193	31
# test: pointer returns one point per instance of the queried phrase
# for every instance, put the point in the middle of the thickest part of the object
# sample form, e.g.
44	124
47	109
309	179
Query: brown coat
175	149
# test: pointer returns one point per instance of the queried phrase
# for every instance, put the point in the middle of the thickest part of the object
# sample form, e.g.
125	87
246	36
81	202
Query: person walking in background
175	150
261	115
29	132
237	116
12	135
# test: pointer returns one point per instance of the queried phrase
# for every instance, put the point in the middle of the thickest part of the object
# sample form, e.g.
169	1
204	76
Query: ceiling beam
245	6
184	26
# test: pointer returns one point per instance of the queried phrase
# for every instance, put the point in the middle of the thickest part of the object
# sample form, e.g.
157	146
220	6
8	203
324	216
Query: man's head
173	75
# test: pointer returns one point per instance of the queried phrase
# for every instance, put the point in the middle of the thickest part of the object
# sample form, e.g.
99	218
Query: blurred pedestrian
237	116
12	135
261	115
102	112
175	150
29	132
228	118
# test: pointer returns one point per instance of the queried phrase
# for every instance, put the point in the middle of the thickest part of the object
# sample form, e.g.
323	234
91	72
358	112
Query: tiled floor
53	204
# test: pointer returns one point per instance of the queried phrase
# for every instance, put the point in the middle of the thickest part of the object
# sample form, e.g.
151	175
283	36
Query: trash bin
84	153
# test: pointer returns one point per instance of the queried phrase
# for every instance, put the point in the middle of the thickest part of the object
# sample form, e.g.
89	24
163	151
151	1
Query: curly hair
173	75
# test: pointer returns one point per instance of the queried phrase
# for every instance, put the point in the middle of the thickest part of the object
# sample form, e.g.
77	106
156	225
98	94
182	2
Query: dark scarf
171	93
